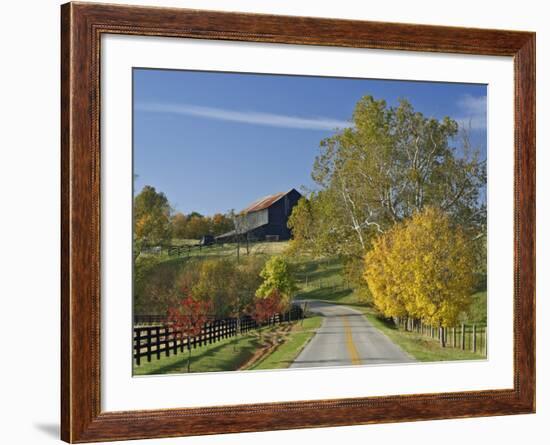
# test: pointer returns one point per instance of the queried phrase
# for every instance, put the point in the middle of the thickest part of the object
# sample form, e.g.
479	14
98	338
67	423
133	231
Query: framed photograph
274	222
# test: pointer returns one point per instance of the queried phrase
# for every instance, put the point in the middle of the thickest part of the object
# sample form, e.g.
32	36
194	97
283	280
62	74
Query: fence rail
465	337
184	250
157	341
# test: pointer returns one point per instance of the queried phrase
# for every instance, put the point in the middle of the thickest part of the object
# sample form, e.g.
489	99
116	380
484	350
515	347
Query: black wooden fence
157	341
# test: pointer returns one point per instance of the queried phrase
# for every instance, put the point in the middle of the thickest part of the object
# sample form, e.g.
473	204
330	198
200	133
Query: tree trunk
442	336
188	358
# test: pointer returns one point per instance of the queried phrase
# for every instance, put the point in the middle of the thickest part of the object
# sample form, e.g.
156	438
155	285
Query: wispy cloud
246	117
473	112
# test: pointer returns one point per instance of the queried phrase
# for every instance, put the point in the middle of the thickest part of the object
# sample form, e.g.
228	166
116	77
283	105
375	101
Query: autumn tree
151	218
179	226
391	163
422	268
248	279
194	225
277	277
154	285
301	225
197	226
267	307
186	320
216	284
220	224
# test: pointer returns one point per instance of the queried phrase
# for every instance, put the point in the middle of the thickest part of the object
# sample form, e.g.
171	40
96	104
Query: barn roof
265	202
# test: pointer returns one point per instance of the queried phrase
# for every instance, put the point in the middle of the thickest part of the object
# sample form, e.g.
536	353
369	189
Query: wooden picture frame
82	26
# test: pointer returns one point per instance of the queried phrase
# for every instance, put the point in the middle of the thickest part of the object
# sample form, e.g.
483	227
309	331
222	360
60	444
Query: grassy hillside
156	274
323	279
478	310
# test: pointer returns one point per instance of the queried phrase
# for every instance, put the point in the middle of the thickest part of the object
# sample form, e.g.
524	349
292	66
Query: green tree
277	277
312	231
151	218
423	268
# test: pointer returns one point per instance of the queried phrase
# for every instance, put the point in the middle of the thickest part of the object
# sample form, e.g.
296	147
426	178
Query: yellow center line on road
352	350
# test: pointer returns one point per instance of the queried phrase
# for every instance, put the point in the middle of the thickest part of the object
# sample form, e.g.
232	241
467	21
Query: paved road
345	338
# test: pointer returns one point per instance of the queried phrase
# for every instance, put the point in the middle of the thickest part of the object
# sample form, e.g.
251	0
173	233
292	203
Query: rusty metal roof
264	202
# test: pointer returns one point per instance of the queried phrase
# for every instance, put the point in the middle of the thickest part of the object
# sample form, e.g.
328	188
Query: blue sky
218	141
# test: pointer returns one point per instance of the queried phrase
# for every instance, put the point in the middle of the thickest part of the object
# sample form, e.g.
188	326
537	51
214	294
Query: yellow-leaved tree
422	268
278	277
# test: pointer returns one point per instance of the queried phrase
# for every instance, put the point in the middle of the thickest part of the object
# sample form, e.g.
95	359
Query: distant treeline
195	225
156	223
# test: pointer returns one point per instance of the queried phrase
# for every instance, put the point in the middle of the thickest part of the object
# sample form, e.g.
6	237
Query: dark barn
265	219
